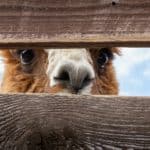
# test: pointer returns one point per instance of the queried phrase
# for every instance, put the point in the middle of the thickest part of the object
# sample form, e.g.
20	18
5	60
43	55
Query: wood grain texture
44	122
74	23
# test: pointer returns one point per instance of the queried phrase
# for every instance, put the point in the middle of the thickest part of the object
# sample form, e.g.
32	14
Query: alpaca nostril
64	76
72	77
82	82
86	80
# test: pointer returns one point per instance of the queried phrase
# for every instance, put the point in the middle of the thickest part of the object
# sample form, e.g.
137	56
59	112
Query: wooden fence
48	122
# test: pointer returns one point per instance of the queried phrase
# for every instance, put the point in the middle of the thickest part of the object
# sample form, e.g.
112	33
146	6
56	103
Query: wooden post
74	23
32	122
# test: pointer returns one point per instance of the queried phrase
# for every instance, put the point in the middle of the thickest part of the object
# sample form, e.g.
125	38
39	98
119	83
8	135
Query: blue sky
133	71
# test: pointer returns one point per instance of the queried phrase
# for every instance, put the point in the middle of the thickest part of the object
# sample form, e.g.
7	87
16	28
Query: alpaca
74	71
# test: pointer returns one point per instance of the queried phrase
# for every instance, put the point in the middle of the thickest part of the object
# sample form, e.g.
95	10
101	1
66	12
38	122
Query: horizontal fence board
74	23
33	122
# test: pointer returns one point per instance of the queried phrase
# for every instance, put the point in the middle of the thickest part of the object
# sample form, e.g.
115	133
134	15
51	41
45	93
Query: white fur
76	58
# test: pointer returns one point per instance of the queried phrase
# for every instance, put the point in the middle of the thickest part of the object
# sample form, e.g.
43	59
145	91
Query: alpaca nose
74	78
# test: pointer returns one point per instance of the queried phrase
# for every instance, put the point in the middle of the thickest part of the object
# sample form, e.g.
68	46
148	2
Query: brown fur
16	80
105	82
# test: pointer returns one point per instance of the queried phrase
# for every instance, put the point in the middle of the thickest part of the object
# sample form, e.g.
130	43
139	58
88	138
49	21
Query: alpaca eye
26	56
102	59
105	54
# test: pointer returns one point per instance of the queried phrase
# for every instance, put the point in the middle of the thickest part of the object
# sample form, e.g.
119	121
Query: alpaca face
75	71
70	68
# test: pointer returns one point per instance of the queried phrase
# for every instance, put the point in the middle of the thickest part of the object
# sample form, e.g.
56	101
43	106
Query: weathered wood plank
74	122
74	23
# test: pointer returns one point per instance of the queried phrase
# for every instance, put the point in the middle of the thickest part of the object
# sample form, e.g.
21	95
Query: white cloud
146	73
124	93
133	81
129	59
